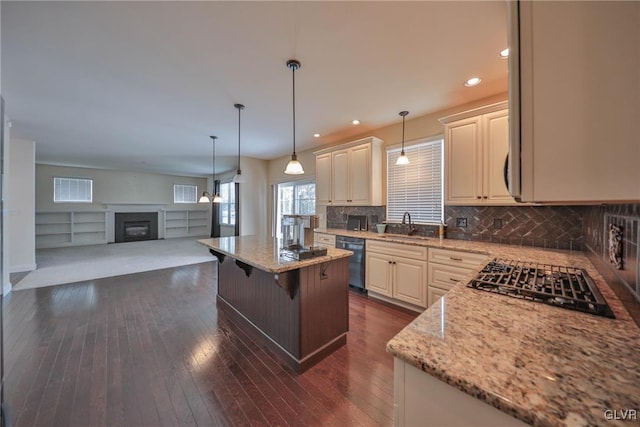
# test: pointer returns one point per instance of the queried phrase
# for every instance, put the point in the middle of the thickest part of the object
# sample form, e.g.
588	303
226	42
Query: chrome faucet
412	230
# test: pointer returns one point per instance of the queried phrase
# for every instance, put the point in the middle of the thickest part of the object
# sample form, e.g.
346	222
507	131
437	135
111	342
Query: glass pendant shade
403	159
294	167
204	198
217	199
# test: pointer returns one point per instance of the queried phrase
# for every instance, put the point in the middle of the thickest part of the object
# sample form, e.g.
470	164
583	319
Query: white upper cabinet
476	148
350	174
575	100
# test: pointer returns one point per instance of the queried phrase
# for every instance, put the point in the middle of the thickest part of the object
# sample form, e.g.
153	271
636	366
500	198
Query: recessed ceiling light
355	122
473	81
316	135
504	53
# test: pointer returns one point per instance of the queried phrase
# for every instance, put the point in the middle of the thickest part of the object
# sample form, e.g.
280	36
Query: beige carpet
80	263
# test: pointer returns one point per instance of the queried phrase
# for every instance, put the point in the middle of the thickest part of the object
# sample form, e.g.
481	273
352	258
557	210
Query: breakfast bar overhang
299	307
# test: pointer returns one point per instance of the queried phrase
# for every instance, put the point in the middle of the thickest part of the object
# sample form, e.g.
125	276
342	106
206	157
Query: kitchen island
299	307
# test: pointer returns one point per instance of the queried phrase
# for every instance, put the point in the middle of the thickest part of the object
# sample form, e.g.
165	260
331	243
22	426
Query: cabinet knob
484	197
478	197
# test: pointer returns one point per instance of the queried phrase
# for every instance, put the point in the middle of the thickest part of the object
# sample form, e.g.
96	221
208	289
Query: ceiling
141	85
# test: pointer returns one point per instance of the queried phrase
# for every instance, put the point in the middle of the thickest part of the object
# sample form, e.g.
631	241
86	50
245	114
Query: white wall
20	206
6	284
113	187
254	196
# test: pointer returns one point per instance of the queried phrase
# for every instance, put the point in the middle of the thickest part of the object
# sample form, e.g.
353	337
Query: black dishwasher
356	261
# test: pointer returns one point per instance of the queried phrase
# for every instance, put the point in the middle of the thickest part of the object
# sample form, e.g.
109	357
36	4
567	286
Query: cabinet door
378	274
340	177
495	128
360	175
410	281
463	162
323	179
434	294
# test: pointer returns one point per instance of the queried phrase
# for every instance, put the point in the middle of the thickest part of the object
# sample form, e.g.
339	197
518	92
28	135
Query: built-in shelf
70	228
186	222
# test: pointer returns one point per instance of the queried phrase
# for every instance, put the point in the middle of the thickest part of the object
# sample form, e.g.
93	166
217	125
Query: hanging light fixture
294	167
206	197
403	159
238	176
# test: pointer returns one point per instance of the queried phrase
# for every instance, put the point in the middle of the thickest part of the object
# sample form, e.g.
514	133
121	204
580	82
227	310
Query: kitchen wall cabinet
575	101
350	174
397	271
476	148
447	268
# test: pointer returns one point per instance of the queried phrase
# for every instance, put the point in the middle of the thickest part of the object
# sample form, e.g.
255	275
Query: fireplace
136	226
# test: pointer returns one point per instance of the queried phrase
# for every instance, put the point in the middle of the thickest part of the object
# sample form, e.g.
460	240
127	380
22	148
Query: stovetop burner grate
561	286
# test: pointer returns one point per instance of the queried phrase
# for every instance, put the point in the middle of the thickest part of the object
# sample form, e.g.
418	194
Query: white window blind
417	187
76	190
185	193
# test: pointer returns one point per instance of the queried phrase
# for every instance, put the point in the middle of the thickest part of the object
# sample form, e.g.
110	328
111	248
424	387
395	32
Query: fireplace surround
135	226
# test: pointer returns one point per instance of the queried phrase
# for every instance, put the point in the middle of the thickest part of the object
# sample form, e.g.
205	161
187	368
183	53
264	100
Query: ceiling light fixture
504	53
316	135
473	81
206	197
355	122
294	167
403	159
238	176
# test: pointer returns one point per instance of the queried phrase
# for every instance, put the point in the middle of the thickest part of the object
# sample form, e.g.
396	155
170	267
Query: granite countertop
264	253
544	365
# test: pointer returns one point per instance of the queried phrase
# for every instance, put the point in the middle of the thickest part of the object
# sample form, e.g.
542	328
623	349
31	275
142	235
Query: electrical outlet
497	223
461	222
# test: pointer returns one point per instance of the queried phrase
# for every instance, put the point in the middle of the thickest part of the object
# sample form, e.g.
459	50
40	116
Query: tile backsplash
625	281
544	226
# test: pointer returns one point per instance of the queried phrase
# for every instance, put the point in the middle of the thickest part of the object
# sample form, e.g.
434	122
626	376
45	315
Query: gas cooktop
566	287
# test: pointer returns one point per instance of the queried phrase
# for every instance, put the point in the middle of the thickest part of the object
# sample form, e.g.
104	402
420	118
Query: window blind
185	193
417	187
76	190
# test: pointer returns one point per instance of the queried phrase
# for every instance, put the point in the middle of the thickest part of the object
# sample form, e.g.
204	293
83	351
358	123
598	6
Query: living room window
72	190
417	187
228	206
185	193
297	197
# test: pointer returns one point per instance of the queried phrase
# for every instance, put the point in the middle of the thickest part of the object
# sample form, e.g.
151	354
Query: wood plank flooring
152	349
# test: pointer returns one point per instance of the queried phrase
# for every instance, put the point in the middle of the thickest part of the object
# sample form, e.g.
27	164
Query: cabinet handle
455	259
452	279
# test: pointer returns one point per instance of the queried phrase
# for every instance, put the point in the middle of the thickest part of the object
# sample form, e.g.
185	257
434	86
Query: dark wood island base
302	314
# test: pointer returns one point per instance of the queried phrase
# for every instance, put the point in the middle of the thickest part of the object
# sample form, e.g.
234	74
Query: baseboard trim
22	268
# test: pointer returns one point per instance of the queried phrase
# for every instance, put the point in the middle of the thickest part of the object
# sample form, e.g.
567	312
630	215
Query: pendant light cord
403	133
294	109
239	109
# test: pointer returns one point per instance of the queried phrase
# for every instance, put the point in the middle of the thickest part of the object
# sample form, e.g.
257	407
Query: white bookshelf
70	228
185	222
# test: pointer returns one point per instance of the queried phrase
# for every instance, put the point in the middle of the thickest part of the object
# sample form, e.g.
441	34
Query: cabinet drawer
446	276
456	258
328	240
397	249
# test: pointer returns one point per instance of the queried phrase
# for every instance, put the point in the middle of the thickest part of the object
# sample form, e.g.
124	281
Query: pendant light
294	167
206	197
238	176
403	159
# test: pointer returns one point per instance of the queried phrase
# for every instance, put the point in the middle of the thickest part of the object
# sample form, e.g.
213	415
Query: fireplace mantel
135	207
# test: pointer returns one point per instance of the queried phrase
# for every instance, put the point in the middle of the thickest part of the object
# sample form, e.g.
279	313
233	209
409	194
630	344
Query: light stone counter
264	253
545	365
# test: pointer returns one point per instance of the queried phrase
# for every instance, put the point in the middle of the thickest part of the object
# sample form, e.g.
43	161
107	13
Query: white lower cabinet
446	269
397	271
324	240
421	399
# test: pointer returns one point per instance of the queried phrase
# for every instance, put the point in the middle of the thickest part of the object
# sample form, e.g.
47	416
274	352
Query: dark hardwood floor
152	349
